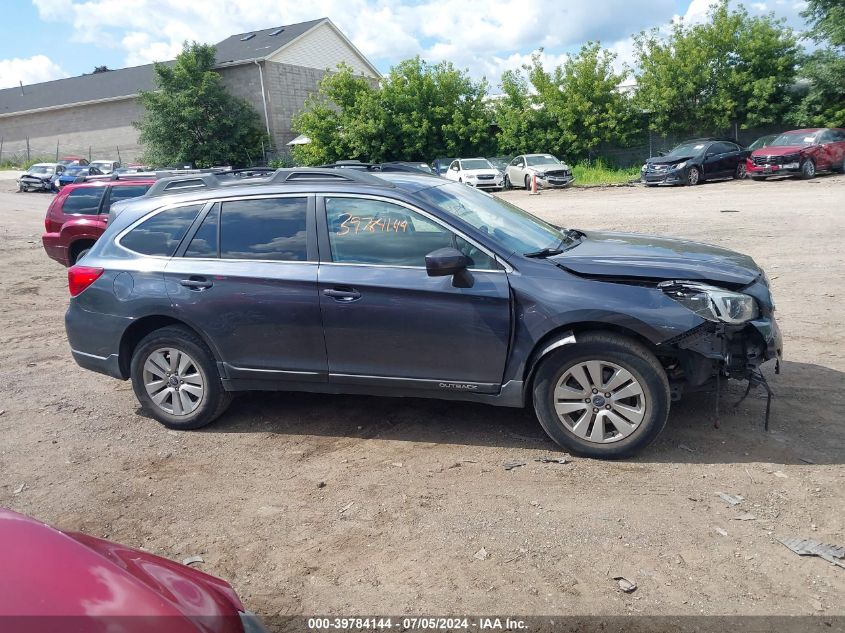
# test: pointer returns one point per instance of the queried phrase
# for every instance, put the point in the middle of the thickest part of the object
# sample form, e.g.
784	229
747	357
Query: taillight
80	277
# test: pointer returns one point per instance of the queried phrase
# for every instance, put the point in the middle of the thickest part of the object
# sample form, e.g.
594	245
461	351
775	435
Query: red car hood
47	572
779	151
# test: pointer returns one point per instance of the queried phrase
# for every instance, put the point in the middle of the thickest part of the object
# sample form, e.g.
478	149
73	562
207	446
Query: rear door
247	277
386	321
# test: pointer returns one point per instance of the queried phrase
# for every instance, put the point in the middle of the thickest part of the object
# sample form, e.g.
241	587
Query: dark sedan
695	161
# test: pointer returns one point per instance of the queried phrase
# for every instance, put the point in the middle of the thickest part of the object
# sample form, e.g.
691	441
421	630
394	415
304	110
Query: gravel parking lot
314	504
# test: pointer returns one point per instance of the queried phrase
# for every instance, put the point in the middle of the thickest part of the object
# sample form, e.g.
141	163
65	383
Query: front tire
507	184
175	378
605	396
741	171
528	183
808	169
693	176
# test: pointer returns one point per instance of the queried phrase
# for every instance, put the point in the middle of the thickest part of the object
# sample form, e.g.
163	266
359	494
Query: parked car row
522	171
70	169
803	152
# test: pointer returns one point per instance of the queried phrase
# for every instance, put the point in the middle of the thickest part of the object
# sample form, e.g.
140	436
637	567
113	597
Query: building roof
242	48
127	82
113	84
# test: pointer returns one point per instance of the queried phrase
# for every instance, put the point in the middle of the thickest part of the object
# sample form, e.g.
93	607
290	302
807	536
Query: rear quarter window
161	234
83	201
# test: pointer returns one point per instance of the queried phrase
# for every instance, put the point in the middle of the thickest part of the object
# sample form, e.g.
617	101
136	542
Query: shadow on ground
806	422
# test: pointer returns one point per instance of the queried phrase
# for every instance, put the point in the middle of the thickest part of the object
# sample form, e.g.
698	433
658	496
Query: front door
386	321
247	278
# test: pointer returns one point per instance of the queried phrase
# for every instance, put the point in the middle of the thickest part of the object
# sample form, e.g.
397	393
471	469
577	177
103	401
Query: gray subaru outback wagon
400	284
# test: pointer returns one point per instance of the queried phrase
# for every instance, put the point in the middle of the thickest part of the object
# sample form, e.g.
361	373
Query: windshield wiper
545	252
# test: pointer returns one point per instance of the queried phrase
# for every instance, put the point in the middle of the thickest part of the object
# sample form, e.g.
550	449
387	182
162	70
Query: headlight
540	174
680	165
712	303
644	167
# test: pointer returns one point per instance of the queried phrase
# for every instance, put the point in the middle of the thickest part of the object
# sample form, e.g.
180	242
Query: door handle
343	295
196	283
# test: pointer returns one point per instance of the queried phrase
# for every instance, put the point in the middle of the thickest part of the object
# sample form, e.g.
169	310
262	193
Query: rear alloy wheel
808	169
604	396
693	176
175	377
741	171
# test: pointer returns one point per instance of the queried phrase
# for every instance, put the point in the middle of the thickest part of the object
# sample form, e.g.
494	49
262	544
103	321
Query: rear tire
175	378
629	398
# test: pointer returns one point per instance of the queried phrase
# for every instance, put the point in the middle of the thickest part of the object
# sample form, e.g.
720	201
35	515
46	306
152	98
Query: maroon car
78	214
805	152
52	580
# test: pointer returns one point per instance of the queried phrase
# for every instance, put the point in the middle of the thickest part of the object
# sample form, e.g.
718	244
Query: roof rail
169	184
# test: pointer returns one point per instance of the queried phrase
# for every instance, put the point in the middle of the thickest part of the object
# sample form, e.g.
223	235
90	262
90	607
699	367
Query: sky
49	39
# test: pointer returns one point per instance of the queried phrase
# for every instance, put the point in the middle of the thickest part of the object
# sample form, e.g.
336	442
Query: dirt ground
413	489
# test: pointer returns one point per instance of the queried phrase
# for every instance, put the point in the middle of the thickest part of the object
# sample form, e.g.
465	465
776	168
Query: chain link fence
23	153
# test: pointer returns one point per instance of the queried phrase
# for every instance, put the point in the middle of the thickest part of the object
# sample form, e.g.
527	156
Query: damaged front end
739	333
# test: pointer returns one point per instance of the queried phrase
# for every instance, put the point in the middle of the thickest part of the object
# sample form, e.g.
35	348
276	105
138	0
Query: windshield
541	159
476	163
41	169
763	141
794	138
687	149
516	230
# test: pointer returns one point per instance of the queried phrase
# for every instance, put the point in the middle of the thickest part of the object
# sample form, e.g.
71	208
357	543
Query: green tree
569	111
734	68
824	69
191	118
341	119
420	111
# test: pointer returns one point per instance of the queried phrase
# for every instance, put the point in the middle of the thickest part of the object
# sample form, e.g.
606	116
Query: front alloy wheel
808	169
599	401
693	176
604	396
741	171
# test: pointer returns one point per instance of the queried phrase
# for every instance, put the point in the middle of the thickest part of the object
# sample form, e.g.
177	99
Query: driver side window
365	231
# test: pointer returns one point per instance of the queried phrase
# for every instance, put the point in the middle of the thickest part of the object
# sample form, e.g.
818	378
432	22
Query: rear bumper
95	339
109	365
54	248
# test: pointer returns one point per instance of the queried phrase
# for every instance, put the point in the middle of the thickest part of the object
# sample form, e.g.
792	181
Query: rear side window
205	242
161	234
83	200
124	193
269	229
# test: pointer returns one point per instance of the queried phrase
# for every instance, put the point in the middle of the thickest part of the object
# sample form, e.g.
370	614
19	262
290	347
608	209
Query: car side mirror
450	261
